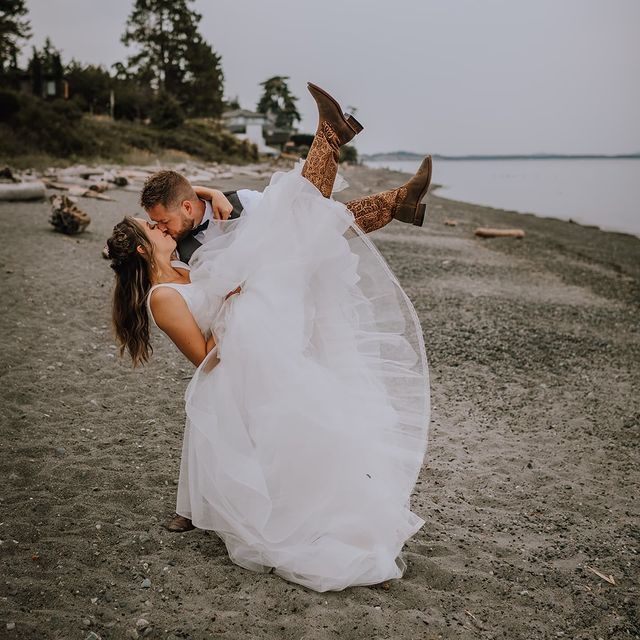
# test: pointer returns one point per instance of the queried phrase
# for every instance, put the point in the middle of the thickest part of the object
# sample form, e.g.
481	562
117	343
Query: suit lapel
189	244
232	197
186	247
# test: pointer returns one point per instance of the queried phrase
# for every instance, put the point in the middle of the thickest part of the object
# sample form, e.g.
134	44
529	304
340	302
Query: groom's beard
186	226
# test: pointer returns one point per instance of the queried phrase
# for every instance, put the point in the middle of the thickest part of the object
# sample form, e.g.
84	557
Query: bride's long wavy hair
133	281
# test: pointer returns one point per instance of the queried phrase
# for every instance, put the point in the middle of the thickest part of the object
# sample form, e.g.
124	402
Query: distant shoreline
596	191
401	156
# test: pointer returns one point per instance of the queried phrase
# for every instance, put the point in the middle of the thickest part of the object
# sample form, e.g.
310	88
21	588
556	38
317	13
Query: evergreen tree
231	104
172	56
278	102
13	28
204	82
46	63
89	86
36	72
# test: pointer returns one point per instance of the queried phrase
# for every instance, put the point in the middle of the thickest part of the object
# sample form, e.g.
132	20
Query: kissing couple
308	411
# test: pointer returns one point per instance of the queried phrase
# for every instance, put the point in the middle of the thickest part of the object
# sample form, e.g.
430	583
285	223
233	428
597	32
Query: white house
249	125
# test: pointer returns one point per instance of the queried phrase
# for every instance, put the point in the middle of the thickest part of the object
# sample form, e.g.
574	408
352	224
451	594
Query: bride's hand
222	208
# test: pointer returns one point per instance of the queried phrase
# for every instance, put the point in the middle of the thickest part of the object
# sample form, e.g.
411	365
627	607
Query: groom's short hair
168	188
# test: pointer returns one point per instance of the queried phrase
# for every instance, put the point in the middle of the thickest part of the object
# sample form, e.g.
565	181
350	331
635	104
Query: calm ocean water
602	192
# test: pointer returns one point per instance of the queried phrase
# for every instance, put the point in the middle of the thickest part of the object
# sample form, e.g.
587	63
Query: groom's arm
222	208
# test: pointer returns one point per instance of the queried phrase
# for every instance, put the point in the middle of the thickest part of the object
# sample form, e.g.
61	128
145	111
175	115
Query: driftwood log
16	191
82	192
485	232
101	186
67	217
78	190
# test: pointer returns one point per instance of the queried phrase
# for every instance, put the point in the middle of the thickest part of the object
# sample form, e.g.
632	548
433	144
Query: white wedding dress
307	425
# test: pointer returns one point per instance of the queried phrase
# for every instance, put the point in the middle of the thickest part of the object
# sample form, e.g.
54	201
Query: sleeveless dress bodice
202	307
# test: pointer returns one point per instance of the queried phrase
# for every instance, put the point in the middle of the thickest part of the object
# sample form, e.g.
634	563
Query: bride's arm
172	315
222	208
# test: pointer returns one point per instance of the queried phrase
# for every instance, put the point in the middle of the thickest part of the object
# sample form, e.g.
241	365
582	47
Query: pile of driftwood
95	182
81	182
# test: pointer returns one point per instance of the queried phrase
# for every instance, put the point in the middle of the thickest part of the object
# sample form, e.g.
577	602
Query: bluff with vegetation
35	131
166	97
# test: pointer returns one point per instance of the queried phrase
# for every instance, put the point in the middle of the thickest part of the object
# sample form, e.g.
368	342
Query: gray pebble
146	583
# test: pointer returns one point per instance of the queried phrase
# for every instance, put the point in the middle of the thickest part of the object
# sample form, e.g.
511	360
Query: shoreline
529	482
510	188
181	161
438	187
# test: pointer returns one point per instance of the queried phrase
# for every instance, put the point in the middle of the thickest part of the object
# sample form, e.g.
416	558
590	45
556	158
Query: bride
307	414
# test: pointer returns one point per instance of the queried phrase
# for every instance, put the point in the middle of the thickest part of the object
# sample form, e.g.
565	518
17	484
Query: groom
171	202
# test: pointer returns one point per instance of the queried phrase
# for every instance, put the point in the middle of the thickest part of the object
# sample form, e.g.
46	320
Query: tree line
173	73
173	80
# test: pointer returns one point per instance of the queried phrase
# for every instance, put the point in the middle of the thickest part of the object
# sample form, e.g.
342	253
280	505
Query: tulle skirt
307	425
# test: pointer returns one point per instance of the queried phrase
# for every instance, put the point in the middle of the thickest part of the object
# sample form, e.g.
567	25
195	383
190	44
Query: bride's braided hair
133	282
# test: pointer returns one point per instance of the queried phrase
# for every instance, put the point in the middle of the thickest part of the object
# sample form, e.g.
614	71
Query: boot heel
353	123
411	214
418	219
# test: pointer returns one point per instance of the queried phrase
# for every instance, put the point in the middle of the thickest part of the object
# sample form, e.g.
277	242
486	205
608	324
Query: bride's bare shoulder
161	297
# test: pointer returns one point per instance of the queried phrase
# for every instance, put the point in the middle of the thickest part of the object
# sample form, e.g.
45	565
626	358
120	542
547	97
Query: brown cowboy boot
403	203
334	130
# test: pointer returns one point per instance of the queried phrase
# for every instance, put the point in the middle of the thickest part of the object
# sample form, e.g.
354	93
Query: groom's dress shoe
179	524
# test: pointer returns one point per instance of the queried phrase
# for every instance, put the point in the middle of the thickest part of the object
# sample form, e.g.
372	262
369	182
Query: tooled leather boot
334	129
404	203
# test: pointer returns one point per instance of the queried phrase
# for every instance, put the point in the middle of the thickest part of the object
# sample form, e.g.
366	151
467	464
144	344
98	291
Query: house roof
243	113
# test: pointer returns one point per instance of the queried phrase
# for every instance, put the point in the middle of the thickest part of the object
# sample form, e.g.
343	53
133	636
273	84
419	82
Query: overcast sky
432	76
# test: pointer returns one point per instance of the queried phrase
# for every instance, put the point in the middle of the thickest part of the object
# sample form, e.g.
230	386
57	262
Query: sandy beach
529	488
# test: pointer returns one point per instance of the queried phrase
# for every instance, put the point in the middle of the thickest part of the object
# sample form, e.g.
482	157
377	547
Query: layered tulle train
307	426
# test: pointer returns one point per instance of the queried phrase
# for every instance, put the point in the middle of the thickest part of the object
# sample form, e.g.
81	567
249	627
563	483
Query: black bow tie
199	228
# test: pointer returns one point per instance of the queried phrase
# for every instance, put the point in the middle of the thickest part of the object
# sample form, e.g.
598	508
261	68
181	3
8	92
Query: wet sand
529	488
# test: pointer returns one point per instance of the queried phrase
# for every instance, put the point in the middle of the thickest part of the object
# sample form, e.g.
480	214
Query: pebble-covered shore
529	488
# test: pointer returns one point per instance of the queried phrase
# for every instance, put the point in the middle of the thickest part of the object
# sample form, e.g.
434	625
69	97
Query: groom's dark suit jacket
189	244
